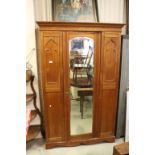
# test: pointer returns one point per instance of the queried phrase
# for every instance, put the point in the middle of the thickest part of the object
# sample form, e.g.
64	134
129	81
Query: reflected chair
83	67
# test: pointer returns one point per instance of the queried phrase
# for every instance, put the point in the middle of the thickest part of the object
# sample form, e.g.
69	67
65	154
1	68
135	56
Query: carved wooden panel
109	78
52	61
108	101
109	60
52	70
55	122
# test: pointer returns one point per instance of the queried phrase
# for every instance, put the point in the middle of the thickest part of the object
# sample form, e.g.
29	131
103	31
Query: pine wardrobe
78	66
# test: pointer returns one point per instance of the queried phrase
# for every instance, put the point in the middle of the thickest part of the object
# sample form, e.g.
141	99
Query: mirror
81	54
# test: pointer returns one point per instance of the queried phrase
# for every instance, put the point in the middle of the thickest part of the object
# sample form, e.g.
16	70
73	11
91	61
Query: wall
43	10
111	11
30	38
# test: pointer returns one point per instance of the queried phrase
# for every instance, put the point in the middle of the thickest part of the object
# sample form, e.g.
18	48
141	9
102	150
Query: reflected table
82	93
85	89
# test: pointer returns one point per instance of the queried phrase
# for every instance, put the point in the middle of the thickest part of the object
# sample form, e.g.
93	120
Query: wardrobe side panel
109	78
52	75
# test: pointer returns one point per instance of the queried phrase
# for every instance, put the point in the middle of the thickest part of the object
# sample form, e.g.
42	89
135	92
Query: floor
79	125
37	147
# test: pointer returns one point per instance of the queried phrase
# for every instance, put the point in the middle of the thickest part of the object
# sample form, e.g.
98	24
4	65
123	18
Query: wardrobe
78	66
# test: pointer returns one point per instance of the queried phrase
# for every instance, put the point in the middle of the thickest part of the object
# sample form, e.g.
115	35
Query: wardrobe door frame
95	121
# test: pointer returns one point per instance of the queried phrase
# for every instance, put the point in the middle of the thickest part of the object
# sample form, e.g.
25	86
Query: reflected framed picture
75	10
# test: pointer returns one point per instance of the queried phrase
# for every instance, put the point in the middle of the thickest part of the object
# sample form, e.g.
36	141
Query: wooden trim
66	86
85	27
89	141
81	24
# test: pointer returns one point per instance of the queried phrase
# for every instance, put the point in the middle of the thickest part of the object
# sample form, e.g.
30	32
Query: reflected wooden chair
83	68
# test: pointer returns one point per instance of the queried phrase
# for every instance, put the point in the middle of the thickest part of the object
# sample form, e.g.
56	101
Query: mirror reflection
81	54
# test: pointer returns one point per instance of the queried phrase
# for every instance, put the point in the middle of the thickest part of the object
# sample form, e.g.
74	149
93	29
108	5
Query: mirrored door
81	75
